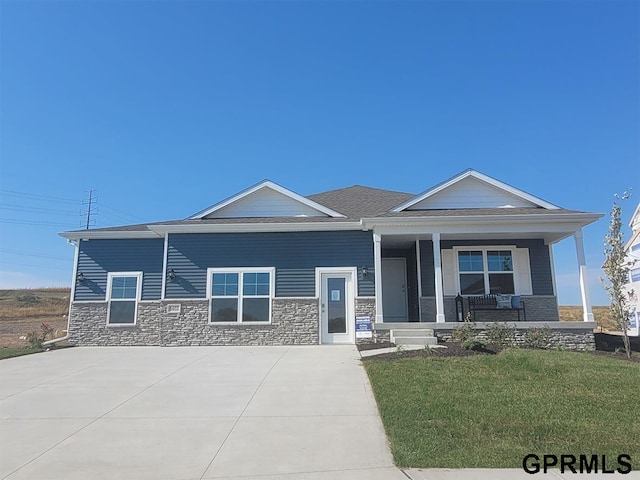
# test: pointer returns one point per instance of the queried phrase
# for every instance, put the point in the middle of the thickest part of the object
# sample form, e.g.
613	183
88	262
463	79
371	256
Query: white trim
485	266
107	234
350	308
272	186
241	271
329	270
74	281
480	176
419	273
165	259
587	312
137	300
437	270
553	270
377	269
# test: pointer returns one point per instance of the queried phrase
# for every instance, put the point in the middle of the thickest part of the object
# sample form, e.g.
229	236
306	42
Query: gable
471	193
472	189
266	202
263	200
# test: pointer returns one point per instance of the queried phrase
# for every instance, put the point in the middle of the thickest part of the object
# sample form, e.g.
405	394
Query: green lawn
16	352
490	411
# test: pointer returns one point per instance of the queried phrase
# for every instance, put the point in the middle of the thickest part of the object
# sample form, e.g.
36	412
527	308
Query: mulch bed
453	350
374	346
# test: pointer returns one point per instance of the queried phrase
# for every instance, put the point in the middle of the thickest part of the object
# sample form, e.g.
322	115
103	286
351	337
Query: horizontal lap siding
295	255
540	262
98	257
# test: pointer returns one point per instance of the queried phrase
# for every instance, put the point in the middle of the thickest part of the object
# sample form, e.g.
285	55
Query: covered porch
420	269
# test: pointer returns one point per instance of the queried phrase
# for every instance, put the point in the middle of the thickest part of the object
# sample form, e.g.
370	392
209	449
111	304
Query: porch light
80	277
171	275
365	271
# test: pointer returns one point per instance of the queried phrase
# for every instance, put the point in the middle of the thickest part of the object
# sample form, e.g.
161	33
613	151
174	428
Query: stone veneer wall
568	339
294	322
539	309
367	306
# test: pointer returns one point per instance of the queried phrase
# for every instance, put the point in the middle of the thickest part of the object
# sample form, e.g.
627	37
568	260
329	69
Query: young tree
617	272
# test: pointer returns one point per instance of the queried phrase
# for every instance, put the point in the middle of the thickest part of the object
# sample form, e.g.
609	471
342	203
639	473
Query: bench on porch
490	302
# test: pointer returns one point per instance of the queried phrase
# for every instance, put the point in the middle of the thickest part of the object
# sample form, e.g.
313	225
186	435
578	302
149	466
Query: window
486	271
240	295
635	275
123	294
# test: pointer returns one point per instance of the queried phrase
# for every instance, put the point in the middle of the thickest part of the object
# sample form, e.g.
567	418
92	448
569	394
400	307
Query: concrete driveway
191	413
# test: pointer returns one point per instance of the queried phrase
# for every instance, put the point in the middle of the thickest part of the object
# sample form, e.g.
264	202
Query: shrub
35	340
537	337
501	334
464	332
474	344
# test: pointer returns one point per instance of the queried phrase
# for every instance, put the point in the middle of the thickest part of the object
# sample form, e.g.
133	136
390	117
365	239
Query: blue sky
164	108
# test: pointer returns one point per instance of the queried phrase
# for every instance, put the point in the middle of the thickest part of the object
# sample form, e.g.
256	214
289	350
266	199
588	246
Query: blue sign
364	329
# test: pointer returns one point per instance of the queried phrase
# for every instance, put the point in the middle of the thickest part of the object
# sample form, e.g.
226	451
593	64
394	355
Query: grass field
22	311
572	313
490	411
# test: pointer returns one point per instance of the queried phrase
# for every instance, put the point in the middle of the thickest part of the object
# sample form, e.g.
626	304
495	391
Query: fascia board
480	176
109	235
161	230
272	186
580	219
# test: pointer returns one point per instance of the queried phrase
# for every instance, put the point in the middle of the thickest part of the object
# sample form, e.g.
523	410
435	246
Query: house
268	267
632	248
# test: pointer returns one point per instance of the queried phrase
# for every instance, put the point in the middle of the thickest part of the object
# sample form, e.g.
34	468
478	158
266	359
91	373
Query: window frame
138	298
485	267
240	297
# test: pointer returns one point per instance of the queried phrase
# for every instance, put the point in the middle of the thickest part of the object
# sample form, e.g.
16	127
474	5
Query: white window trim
138	298
240	271
485	266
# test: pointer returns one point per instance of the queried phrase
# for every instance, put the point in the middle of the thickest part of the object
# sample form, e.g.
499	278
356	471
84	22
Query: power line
119	212
35	196
34	222
28	254
22	208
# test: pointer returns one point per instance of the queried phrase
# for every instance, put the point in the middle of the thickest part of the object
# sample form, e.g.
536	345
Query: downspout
71	295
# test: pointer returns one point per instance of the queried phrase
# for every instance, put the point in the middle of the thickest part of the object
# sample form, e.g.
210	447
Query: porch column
587	313
377	268
437	267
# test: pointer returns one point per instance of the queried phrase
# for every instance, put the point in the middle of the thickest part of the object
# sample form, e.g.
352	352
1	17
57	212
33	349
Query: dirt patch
12	330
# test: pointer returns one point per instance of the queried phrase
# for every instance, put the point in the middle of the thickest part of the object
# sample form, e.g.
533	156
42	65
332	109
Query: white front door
394	290
337	313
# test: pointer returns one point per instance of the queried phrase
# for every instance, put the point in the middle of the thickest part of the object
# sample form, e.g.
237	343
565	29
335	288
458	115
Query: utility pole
90	208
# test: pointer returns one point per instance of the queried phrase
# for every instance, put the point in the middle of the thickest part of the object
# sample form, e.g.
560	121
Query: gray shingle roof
355	202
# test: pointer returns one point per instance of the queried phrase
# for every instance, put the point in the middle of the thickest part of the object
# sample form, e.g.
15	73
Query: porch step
414	336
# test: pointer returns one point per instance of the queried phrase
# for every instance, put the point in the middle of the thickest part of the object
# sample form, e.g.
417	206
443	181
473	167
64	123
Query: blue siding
295	255
98	257
426	269
539	260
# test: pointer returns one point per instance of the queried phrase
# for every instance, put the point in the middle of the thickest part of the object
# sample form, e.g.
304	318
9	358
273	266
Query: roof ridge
360	186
